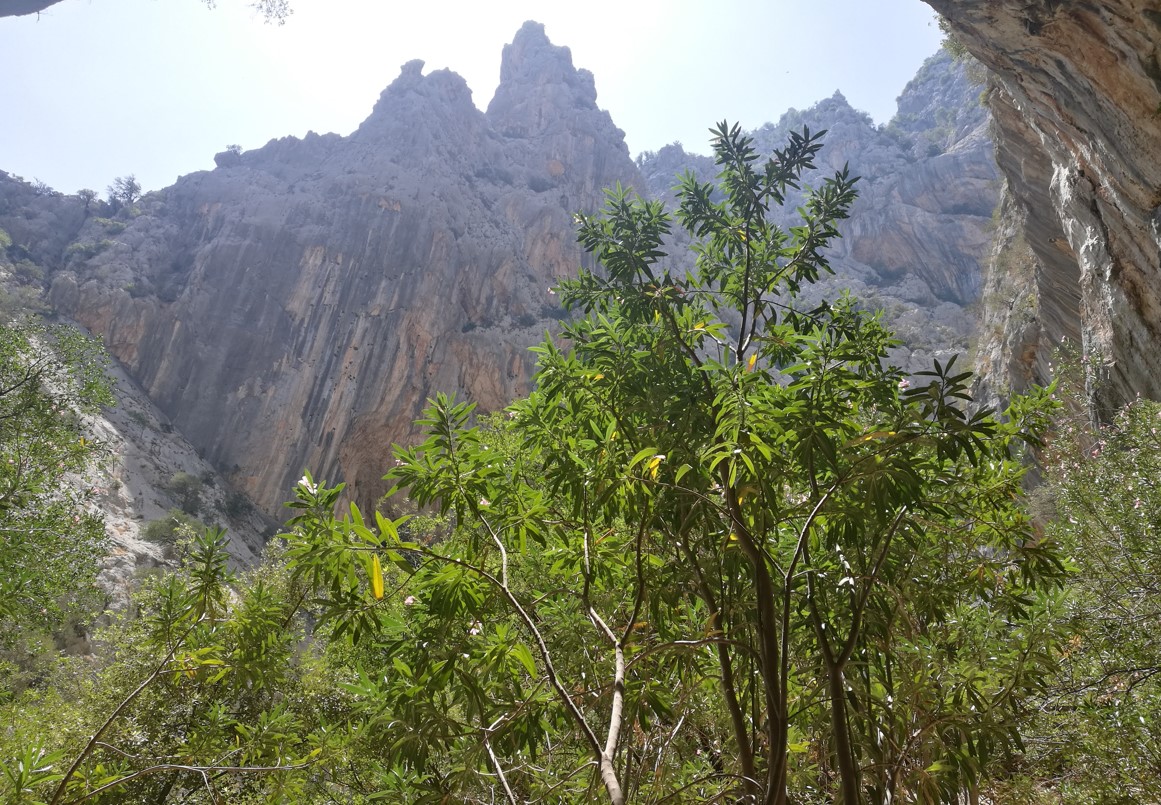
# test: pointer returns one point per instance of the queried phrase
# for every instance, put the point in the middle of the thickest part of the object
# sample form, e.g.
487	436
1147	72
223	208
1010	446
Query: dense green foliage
50	542
730	543
1094	736
200	694
723	553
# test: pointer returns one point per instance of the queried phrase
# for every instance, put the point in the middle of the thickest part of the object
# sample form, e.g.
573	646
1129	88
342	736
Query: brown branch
60	789
499	770
202	770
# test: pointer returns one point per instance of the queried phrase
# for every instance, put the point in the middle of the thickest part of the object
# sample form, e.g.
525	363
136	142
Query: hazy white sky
95	89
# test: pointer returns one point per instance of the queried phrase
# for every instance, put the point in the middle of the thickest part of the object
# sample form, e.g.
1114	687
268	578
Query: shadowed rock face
295	307
1077	101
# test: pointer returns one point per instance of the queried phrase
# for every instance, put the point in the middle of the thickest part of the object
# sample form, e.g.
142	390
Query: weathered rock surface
133	489
1076	96
295	307
921	229
131	484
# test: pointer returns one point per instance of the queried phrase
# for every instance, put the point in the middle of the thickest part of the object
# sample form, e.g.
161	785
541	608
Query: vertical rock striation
1076	97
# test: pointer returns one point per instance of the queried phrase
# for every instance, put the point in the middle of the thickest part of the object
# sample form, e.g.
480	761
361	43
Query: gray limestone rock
1076	96
295	307
920	231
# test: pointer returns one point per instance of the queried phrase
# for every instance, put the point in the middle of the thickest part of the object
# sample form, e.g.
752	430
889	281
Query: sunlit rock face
920	231
1076	95
297	306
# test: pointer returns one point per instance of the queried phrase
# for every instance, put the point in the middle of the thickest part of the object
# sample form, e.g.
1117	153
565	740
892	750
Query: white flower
308	485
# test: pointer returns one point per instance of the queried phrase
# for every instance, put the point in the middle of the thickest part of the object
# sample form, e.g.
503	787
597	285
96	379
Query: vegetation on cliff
51	543
698	562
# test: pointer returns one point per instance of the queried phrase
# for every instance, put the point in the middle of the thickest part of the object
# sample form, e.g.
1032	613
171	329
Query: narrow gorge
295	307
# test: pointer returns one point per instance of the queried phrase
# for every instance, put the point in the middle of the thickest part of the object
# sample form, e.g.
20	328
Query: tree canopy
50	541
724	552
735	551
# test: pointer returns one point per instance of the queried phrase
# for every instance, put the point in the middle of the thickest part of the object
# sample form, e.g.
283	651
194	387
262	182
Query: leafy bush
87	250
237	504
111	225
170	528
721	541
540	184
1095	734
50	543
187	489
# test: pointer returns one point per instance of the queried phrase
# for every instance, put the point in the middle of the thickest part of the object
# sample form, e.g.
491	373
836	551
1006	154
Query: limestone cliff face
1076	96
295	307
921	230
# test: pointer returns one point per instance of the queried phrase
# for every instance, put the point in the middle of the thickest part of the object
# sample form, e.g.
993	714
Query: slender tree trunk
729	687
848	768
745	750
769	650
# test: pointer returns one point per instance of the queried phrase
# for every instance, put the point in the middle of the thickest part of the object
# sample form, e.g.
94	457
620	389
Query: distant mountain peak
440	101
531	60
537	77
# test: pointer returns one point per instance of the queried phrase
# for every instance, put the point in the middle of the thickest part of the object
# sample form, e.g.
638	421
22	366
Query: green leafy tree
1095	737
50	541
187	489
88	197
734	555
207	694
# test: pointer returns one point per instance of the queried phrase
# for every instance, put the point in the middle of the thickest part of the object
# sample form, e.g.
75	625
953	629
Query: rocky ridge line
297	306
920	232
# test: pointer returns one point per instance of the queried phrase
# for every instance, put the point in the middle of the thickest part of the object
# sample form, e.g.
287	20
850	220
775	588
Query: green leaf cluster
1094	736
723	552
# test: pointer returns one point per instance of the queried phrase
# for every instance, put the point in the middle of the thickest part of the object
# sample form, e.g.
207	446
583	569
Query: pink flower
409	600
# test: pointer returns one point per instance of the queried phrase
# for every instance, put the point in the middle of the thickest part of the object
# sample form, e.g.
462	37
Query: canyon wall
1076	98
921	229
296	307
